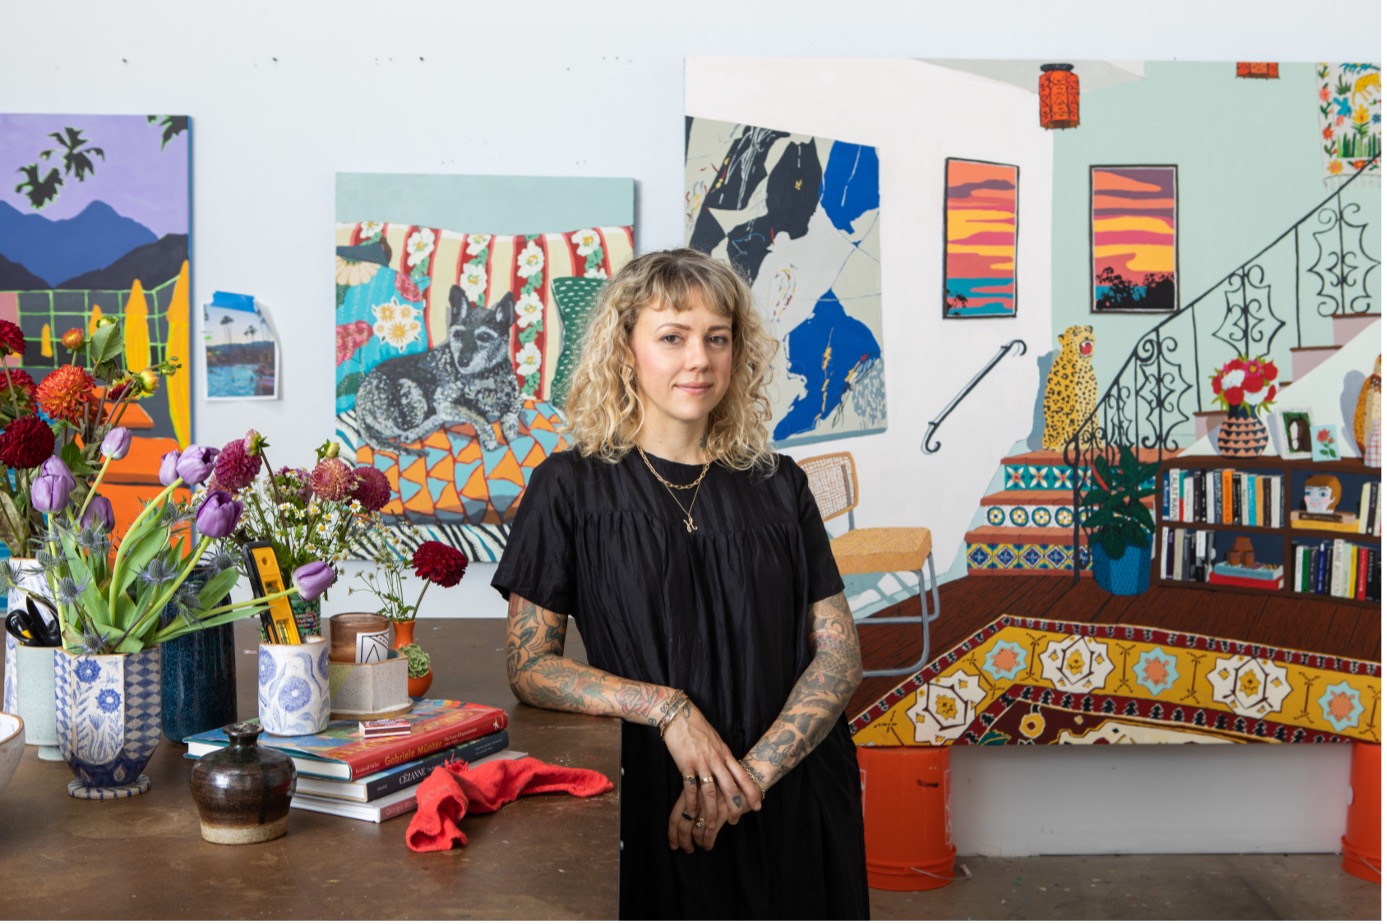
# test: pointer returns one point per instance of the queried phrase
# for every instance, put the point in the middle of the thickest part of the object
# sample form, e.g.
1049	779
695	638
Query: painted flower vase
108	720
294	698
1242	435
30	582
242	791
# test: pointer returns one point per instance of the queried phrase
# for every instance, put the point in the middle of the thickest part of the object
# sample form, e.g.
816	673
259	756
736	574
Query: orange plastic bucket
905	810
1362	840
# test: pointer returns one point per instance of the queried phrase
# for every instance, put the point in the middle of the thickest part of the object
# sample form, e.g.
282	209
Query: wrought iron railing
1317	269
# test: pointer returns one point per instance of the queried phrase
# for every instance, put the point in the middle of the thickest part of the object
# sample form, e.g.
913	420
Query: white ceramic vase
30	581
294	696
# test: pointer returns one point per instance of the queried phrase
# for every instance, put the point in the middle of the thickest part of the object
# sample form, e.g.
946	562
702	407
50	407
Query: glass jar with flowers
68	414
113	606
307	515
435	563
1244	386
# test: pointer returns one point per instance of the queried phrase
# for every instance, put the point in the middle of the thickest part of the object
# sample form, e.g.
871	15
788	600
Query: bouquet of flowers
1245	386
306	515
116	603
67	415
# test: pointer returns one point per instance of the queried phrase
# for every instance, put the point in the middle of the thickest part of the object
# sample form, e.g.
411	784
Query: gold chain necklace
670	487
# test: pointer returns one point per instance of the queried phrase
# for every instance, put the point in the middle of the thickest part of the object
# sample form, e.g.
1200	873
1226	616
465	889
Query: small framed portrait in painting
1293	432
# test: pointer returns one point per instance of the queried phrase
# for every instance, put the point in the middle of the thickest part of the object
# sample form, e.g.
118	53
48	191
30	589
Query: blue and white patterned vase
293	689
108	719
30	582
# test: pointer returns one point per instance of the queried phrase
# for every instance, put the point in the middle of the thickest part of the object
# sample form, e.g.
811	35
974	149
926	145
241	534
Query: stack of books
1261	576
342	771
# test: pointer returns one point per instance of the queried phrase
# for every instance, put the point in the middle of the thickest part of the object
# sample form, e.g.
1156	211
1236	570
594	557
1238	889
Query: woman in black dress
696	564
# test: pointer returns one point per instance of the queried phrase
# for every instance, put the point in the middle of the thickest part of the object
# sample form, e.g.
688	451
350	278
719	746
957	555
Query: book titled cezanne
344	755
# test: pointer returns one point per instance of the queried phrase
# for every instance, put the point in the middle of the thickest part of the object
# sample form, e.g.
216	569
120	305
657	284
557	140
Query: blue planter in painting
108	720
1126	576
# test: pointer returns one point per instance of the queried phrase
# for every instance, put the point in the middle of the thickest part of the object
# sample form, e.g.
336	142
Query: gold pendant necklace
670	487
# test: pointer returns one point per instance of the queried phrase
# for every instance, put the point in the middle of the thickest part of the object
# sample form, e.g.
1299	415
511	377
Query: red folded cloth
454	789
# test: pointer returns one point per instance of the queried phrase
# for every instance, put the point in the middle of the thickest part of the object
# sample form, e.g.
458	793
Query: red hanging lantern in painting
1059	96
1263	70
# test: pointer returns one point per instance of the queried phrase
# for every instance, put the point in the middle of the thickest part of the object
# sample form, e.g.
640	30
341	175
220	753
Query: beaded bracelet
755	777
671	710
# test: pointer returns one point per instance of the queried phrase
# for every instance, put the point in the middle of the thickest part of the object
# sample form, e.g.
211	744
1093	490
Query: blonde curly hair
604	411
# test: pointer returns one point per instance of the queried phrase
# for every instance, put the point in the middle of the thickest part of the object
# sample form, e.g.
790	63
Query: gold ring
699	823
690	779
708	781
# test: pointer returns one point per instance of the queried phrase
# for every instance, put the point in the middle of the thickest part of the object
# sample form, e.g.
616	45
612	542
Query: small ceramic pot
359	638
35	702
293	688
108	720
418	686
242	791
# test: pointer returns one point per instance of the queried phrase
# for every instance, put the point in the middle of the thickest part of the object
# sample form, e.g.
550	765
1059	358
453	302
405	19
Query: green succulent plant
419	660
1113	508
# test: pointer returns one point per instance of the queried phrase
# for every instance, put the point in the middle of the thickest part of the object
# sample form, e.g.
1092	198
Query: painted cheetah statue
1071	389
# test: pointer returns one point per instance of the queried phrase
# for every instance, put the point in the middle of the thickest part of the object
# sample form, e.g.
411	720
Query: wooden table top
550	856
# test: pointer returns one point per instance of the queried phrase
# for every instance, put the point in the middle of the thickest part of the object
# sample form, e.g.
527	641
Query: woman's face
683	363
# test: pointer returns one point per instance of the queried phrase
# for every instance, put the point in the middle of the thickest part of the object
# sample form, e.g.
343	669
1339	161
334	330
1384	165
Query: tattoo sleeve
820	695
541	676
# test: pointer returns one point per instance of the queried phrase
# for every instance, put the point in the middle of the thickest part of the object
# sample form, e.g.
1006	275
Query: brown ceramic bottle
243	790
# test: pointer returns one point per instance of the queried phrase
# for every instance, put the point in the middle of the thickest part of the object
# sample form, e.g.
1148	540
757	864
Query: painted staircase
1028	526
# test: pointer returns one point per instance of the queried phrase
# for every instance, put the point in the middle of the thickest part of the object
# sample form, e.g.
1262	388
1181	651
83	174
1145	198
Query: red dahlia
441	564
236	467
372	488
26	443
22	383
66	393
12	338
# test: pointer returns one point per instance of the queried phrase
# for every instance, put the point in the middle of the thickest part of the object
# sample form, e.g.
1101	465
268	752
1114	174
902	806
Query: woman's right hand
713	779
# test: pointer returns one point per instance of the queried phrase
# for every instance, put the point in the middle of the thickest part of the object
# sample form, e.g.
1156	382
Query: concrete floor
1148	888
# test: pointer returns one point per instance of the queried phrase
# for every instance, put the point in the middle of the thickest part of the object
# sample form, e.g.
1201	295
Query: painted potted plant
435	563
111	608
1119	522
1244	386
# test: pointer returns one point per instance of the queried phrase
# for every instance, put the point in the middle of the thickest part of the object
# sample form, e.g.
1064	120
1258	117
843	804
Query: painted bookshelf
1206	504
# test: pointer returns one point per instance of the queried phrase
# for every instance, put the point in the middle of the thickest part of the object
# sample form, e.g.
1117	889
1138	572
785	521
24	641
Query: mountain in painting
152	264
15	278
94	238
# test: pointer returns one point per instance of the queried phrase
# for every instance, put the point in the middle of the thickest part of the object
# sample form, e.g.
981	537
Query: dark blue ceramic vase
199	677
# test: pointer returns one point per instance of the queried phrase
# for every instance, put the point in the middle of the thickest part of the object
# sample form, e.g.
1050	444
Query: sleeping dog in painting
467	379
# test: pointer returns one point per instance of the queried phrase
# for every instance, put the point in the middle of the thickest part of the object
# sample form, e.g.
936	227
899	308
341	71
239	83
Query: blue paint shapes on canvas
823	351
851	187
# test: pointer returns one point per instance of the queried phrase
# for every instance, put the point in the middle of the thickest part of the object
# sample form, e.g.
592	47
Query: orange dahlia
66	394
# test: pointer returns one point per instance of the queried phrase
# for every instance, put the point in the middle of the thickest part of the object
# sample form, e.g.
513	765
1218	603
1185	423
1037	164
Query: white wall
284	95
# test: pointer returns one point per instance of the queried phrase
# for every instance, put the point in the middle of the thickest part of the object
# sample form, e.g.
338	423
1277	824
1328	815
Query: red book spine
1361	591
1245	582
425	737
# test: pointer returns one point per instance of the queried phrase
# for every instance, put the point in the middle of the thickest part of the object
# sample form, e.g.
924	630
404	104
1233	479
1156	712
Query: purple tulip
314	578
116	444
49	493
196	463
55	466
168	468
217	516
99	512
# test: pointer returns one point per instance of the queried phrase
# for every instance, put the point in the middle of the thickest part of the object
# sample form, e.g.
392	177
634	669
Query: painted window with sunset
980	221
1134	239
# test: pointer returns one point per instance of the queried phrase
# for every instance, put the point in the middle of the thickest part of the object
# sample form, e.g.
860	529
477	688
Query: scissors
30	628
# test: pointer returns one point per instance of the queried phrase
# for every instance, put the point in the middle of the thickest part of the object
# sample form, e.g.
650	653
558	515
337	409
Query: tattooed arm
818	698
541	676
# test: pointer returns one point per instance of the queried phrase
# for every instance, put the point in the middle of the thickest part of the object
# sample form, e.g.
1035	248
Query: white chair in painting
833	481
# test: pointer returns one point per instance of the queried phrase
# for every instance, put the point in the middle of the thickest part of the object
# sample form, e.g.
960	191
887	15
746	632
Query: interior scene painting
455	342
95	225
1081	525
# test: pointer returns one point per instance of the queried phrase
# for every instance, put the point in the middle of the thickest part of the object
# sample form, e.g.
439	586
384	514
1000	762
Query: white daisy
596	272
528	360
396	324
530	261
529	310
473	281
419	246
476	243
586	240
371	228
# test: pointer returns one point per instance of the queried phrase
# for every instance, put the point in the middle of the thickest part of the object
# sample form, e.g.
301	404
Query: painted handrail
925	446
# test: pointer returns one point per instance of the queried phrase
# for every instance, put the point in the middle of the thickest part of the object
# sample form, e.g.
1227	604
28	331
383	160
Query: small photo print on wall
980	220
240	350
1133	241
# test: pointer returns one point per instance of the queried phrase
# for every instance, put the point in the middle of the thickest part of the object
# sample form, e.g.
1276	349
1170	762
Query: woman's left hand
688	829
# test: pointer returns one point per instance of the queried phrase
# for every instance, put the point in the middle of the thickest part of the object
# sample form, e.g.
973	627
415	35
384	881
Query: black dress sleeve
539	562
824	580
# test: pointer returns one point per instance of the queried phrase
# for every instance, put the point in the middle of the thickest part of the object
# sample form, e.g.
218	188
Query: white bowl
11	745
